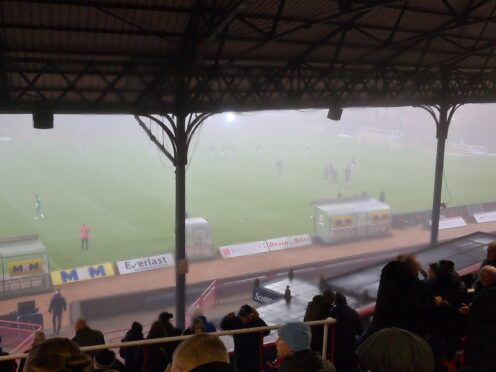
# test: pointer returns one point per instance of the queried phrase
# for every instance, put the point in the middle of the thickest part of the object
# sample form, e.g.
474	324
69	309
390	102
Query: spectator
57	307
395	349
7	366
154	358
317	309
490	255
293	347
201	353
170	331
198	313
246	346
104	360
38	338
348	326
85	336
57	354
402	299
481	342
449	294
486	279
197	327
129	353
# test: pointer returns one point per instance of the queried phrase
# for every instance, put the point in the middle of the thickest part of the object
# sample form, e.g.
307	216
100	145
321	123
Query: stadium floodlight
230	117
334	113
43	119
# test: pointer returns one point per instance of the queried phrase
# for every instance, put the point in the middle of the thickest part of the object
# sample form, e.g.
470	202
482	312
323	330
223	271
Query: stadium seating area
423	321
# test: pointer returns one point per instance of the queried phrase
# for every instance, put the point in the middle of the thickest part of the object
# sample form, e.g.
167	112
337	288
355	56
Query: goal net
467	149
389	137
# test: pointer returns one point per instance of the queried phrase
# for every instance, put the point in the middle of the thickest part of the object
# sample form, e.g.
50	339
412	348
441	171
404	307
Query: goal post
389	137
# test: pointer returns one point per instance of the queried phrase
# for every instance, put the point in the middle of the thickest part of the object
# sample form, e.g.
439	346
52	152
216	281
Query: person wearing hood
293	348
198	313
129	353
395	350
201	353
318	309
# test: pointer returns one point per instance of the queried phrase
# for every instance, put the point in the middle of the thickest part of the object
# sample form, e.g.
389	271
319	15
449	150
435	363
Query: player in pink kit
84	234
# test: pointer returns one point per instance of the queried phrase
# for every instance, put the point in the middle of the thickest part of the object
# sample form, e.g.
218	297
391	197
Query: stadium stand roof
128	56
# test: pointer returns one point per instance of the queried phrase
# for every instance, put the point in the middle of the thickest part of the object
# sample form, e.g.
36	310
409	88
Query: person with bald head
487	279
490	255
85	336
201	353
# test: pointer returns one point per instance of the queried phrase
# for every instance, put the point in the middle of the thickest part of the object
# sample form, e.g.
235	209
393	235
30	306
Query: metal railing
325	345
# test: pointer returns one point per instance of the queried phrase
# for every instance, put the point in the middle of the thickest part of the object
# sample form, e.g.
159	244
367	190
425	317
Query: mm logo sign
79	274
25	267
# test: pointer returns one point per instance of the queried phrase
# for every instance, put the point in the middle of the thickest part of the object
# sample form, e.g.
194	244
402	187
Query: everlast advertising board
265	296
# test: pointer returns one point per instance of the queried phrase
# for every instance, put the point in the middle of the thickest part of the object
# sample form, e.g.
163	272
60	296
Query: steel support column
178	130
182	154
442	115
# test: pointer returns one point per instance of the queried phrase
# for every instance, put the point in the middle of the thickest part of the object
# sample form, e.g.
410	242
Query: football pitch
123	188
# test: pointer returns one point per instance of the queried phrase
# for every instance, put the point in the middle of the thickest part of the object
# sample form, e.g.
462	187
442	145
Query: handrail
178	338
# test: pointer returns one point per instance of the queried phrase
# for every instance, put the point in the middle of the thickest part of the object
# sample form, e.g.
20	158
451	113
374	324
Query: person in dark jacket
9	365
348	327
246	346
129	353
105	360
448	294
154	358
57	307
170	331
486	279
317	309
201	353
197	327
402	299
198	313
85	336
481	342
293	347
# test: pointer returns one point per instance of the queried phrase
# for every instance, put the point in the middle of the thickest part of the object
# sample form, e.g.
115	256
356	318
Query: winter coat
152	358
57	304
306	361
317	309
209	327
481	348
9	365
246	346
446	320
348	326
402	301
89	337
129	353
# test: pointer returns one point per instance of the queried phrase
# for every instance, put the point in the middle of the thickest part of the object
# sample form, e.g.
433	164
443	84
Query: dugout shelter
24	266
348	219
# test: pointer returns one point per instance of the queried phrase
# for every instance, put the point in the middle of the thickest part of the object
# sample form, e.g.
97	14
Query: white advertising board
243	249
451	223
485	217
137	265
289	242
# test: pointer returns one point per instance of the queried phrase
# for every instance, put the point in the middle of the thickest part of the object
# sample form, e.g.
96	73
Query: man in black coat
57	307
246	346
348	327
402	299
85	336
7	366
129	353
171	331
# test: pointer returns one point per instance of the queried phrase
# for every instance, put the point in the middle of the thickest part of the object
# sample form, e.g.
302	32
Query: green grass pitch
124	189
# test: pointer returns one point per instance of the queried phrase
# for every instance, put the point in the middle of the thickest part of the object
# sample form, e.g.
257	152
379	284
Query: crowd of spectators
423	321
